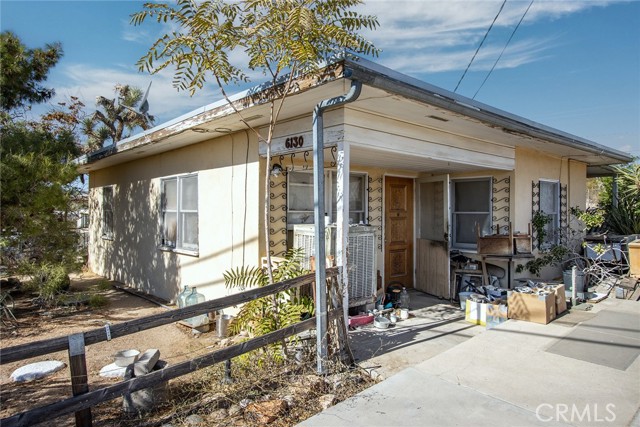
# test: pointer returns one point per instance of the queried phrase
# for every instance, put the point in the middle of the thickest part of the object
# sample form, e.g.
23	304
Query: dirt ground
292	391
176	343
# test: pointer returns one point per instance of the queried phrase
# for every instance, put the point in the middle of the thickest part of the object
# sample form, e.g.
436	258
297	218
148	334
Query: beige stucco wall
533	166
227	237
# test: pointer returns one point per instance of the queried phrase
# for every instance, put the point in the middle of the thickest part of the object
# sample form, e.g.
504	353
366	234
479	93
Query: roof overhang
386	92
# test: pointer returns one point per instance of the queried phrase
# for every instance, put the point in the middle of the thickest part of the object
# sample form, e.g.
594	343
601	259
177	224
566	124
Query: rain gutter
318	216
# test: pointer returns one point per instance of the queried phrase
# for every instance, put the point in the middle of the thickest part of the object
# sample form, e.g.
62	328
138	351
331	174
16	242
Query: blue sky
573	65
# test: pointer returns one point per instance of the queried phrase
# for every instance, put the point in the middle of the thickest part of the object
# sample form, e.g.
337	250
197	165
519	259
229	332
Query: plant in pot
570	251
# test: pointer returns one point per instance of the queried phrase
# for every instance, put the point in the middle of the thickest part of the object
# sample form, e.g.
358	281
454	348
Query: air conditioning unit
361	257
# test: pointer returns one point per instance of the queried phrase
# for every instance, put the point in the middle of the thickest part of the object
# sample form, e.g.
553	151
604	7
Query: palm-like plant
264	315
115	116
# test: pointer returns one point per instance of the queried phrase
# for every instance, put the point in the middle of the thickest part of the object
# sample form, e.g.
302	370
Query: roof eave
375	75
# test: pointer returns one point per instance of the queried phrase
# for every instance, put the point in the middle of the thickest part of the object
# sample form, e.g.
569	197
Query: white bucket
404	313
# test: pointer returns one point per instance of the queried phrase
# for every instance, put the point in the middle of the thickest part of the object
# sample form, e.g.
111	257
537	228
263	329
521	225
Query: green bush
98	301
50	280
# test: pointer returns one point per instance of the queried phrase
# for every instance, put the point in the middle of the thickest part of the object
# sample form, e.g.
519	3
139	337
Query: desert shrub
98	301
49	280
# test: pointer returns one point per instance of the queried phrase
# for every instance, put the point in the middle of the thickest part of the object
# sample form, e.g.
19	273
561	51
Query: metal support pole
322	349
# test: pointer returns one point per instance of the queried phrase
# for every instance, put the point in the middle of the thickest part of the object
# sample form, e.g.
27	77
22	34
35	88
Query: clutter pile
536	302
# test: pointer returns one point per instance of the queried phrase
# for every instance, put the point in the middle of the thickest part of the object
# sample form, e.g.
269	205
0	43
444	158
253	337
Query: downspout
318	217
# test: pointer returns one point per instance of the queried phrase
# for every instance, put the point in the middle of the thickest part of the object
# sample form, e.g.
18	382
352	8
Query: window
180	212
300	197
471	207
550	206
107	212
83	221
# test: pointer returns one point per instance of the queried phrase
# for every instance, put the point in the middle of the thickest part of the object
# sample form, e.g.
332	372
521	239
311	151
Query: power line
481	43
503	49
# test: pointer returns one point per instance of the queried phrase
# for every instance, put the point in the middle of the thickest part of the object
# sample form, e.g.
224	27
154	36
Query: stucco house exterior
181	203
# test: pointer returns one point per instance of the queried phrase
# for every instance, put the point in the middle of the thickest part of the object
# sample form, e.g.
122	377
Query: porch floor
435	325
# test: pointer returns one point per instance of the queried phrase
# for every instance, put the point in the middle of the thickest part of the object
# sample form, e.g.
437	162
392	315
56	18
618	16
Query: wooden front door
398	231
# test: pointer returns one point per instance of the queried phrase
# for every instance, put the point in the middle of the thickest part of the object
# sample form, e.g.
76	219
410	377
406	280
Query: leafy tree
281	38
23	71
36	195
114	116
37	175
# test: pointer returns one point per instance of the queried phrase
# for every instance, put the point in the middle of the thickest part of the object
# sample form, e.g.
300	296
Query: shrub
50	280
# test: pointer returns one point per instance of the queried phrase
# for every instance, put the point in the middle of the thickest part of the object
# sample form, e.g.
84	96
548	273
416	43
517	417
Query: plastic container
182	296
404	299
194	298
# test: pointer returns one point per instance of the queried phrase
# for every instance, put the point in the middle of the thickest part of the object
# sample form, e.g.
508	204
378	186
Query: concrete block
146	362
147	399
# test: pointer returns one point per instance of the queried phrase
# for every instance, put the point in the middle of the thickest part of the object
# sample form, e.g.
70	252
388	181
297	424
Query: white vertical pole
342	221
320	249
574	282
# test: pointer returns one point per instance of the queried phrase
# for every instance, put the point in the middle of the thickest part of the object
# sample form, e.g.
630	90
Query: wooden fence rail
39	348
83	399
92	398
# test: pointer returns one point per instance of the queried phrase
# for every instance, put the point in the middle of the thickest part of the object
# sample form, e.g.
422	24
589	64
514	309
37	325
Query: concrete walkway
581	369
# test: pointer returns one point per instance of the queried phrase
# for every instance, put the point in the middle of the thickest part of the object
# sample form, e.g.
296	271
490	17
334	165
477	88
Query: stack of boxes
539	304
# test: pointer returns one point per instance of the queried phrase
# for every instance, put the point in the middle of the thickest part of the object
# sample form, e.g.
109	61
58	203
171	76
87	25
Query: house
181	203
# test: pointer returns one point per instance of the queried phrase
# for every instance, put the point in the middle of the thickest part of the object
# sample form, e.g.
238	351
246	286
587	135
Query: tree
114	116
23	70
281	38
37	175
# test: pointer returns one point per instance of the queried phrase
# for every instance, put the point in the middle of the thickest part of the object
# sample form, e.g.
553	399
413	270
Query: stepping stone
35	371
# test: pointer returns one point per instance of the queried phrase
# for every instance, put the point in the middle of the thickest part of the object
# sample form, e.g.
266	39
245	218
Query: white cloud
431	35
86	83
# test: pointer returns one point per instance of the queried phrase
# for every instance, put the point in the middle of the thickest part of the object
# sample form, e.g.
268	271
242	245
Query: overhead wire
503	49
479	46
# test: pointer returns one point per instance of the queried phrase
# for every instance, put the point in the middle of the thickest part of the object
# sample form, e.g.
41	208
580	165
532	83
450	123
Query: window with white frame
300	197
550	206
471	208
179	210
107	212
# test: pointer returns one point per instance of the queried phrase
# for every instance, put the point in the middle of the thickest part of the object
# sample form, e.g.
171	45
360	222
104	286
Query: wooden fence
83	399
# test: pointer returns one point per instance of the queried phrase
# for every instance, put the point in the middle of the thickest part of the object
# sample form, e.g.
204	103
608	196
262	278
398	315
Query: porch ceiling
389	159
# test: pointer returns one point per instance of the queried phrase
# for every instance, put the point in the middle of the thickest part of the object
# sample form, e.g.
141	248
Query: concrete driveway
581	369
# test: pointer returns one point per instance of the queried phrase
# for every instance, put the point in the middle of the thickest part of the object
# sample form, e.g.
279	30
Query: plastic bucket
222	325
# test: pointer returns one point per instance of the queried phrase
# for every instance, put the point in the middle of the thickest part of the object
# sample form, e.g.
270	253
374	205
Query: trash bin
222	324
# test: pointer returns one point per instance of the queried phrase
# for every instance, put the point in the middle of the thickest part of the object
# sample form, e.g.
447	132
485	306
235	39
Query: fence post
79	380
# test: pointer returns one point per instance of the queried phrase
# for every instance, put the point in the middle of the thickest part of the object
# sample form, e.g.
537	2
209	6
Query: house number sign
294	142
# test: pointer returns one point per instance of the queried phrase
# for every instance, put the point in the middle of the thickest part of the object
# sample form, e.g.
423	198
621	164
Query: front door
432	275
398	231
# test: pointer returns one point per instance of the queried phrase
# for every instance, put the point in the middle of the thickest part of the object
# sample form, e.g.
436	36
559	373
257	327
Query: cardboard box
476	313
497	313
561	299
532	307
